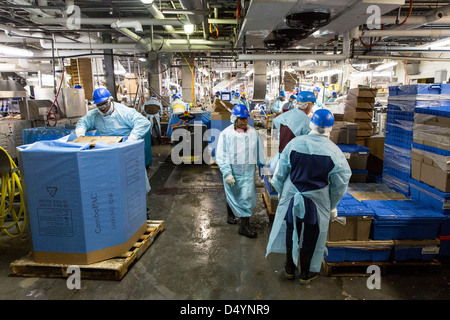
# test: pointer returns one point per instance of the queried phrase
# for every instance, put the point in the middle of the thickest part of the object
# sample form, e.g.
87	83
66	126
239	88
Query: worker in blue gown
277	104
292	123
111	118
152	114
239	150
177	107
311	176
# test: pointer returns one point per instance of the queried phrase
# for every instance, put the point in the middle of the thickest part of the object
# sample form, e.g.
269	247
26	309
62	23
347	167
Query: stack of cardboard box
359	109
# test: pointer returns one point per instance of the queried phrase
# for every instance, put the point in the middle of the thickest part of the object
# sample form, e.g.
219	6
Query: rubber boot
231	218
305	261
289	267
244	228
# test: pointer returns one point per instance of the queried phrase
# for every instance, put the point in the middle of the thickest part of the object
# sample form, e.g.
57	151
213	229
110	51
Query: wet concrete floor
200	257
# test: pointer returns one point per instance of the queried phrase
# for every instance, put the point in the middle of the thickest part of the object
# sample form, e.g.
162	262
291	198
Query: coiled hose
12	222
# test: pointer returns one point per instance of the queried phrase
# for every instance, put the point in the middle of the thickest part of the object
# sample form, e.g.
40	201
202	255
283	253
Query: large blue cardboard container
85	205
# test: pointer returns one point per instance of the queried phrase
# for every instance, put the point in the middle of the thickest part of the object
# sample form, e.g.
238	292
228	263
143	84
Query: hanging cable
50	112
10	188
407	17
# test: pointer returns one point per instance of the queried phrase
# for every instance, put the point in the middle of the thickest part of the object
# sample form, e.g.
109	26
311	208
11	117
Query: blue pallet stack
403	101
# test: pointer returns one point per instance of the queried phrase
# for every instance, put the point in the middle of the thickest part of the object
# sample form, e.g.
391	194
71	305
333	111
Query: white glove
333	214
80	132
229	179
132	137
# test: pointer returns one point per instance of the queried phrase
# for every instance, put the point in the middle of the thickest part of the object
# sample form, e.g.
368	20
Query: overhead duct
196	5
434	33
259	80
160	16
285	57
355	14
144	21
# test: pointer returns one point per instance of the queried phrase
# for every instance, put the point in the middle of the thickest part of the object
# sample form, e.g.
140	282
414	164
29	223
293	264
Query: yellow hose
10	181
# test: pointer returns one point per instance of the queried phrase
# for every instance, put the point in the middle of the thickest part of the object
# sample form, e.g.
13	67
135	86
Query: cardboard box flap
92	140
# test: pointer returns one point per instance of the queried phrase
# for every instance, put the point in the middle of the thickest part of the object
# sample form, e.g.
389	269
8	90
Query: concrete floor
201	257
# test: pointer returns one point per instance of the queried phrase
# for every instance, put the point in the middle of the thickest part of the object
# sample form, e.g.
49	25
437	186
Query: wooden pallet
359	268
111	269
270	212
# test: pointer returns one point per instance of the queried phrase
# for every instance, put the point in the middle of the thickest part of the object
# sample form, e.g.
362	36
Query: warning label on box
55	222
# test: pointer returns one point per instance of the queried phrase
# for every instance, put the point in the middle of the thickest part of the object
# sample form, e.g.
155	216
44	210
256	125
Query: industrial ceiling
244	30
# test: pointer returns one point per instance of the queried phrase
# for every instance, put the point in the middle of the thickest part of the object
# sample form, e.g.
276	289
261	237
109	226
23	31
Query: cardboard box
351	114
364	125
344	132
84	205
424	168
357	160
363	92
376	146
358	177
92	140
222	106
355	228
360	103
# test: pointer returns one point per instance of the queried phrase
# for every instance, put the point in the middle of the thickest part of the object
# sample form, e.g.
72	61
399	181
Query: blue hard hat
217	92
282	93
293	96
316	89
236	94
154	96
306	96
240	111
176	96
78	87
334	94
323	118
100	95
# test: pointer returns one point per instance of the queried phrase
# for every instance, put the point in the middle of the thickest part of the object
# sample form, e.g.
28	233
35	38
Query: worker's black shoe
305	262
307	277
289	266
148	213
244	228
231	218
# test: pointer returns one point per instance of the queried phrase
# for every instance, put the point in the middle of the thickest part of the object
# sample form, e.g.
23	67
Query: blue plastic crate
353	148
430	196
349	206
407	252
443	110
31	135
341	254
430	149
414	89
404	220
269	187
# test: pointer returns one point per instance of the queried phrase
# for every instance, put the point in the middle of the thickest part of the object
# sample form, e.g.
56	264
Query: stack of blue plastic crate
402	103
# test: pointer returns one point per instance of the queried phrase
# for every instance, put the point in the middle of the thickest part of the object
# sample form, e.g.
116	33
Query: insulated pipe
403	58
144	21
405	33
285	57
158	15
33	11
193	5
441	15
136	25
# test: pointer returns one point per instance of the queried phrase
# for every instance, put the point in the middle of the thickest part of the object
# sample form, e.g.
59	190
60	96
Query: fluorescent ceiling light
147	1
189	28
387	65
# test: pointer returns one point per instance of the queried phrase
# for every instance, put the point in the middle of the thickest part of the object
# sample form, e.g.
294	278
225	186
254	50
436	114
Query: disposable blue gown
173	120
121	122
313	167
297	121
277	106
238	153
157	116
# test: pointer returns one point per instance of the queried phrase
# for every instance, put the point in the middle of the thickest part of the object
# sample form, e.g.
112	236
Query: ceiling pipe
33	11
285	57
440	15
144	21
196	5
402	58
434	33
158	15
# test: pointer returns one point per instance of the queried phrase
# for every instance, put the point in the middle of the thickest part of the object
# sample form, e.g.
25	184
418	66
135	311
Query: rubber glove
333	214
229	179
80	132
132	137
